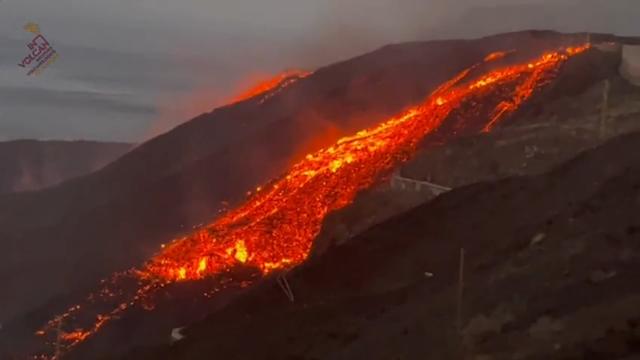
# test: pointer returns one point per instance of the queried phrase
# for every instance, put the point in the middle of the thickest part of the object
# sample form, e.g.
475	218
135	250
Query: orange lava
264	86
275	228
497	55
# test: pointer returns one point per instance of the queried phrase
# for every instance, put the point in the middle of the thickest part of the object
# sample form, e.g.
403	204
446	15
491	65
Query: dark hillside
63	239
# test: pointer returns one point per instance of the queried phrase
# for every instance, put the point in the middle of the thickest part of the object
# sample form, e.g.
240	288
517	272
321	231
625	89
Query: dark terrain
179	179
27	165
532	236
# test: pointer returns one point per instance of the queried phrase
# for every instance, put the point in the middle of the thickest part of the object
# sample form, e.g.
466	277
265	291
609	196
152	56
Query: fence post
460	293
605	109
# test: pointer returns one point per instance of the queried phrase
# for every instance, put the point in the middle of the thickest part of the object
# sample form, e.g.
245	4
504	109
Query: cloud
143	62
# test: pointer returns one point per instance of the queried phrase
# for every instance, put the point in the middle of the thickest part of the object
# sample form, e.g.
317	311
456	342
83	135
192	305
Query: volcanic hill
546	210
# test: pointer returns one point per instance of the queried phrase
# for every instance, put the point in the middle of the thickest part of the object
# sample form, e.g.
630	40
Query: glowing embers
238	252
576	50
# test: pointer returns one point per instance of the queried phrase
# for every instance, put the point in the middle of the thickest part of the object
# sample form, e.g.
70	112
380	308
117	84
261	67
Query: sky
128	70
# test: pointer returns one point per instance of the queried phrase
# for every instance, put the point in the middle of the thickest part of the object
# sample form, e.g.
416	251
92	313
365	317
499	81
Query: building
630	68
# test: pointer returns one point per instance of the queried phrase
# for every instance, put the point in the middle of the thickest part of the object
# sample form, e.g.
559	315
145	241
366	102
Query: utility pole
604	114
460	293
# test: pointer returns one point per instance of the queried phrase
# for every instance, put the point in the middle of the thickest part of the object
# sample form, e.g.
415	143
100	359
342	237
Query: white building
630	68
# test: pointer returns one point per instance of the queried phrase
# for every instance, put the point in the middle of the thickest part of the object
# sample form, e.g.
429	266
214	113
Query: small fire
275	228
272	83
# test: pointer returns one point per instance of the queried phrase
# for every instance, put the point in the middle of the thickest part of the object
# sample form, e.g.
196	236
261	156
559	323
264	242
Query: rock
537	239
177	335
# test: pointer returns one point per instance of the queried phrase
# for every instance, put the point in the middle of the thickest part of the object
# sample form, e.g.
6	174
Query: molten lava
270	84
275	228
497	55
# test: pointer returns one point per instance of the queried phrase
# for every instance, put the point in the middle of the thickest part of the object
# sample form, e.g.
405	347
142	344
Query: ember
275	228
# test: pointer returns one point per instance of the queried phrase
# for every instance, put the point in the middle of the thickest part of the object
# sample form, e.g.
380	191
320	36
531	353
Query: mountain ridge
29	165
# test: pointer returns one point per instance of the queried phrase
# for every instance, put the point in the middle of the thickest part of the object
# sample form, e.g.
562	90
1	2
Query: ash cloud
139	68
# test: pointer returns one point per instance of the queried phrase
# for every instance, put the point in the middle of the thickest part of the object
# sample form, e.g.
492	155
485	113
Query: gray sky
129	69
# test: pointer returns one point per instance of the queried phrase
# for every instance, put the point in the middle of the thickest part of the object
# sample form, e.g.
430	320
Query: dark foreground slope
27	165
62	240
551	265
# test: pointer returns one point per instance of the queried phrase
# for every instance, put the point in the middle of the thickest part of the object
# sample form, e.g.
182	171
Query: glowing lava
275	228
270	84
497	55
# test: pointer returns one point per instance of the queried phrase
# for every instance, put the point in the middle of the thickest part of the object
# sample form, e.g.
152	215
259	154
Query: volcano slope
155	314
559	122
61	241
551	265
271	231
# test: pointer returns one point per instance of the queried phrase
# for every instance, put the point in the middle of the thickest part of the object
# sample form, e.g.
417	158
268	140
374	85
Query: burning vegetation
275	228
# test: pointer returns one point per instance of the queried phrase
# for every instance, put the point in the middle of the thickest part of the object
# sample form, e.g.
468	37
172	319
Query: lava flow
271	85
275	228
